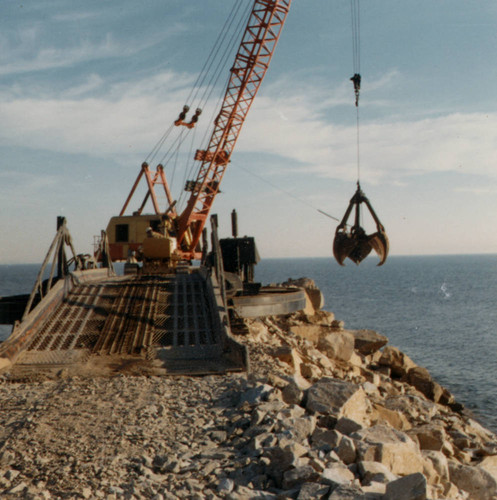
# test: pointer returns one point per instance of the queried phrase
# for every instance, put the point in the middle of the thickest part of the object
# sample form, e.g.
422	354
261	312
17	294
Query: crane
251	62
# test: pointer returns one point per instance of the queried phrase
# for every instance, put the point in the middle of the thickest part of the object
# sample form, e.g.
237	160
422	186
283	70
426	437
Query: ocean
439	310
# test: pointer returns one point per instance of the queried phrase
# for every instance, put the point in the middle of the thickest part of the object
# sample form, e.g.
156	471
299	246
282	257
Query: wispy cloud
290	125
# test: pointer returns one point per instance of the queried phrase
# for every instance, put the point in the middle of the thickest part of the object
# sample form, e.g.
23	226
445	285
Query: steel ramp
168	323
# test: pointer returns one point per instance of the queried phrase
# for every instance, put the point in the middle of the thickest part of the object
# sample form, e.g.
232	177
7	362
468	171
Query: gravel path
91	438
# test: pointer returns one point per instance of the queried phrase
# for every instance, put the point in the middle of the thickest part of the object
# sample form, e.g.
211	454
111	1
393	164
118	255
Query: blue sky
87	88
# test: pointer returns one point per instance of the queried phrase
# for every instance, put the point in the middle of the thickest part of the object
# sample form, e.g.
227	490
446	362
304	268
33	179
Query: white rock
339	398
335	476
337	345
390	447
479	483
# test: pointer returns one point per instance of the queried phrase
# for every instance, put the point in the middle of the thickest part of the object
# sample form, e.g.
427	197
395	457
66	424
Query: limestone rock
348	492
347	425
298	476
346	450
315	298
313	491
292	394
479	483
374	472
326	437
411	487
310	371
337	345
339	398
396	360
420	378
390	447
368	341
299	428
309	331
429	436
226	485
439	463
490	465
413	407
336	476
393	417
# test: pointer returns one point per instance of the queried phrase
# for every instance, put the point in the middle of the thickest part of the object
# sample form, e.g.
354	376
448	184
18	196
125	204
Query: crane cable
203	76
356	63
230	46
288	193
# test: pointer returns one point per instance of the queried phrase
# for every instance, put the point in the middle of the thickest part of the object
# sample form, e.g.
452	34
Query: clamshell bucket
355	243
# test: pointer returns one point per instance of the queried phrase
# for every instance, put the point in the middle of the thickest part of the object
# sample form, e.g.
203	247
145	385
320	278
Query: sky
88	88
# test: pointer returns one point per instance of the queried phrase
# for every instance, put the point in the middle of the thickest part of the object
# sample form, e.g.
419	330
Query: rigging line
158	145
358	147
202	75
175	164
187	170
224	58
214	51
301	200
176	144
190	170
356	79
209	89
179	140
356	33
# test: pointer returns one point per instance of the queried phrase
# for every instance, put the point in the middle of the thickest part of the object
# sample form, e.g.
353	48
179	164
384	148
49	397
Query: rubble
325	413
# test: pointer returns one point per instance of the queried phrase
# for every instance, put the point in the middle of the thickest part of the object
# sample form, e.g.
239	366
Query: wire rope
158	145
202	76
209	88
356	64
288	193
214	51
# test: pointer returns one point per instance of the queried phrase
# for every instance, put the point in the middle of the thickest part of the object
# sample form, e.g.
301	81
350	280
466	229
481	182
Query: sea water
441	311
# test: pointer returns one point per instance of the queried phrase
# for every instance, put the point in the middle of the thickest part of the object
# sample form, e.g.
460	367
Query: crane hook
356	80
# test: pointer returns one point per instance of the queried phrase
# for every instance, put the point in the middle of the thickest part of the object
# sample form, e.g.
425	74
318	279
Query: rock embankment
325	412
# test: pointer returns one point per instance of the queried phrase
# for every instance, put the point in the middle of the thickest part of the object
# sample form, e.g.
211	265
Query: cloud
291	125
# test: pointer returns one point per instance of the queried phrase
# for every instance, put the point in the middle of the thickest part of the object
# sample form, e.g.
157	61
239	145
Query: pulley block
354	243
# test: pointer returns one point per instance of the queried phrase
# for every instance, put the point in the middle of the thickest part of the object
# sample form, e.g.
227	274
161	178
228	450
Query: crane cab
126	234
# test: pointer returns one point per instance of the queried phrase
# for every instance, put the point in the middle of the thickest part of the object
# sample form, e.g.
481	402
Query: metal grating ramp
164	317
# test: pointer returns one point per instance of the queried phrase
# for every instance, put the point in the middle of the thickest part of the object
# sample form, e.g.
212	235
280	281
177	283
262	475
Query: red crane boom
251	63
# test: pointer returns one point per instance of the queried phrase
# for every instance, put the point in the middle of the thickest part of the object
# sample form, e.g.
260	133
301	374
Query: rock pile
325	413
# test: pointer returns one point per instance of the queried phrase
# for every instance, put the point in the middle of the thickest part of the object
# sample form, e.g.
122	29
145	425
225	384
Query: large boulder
339	398
398	362
429	436
490	465
337	345
368	341
313	491
393	448
480	484
336	476
299	475
420	378
309	331
328	438
411	487
374	472
393	417
439	464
